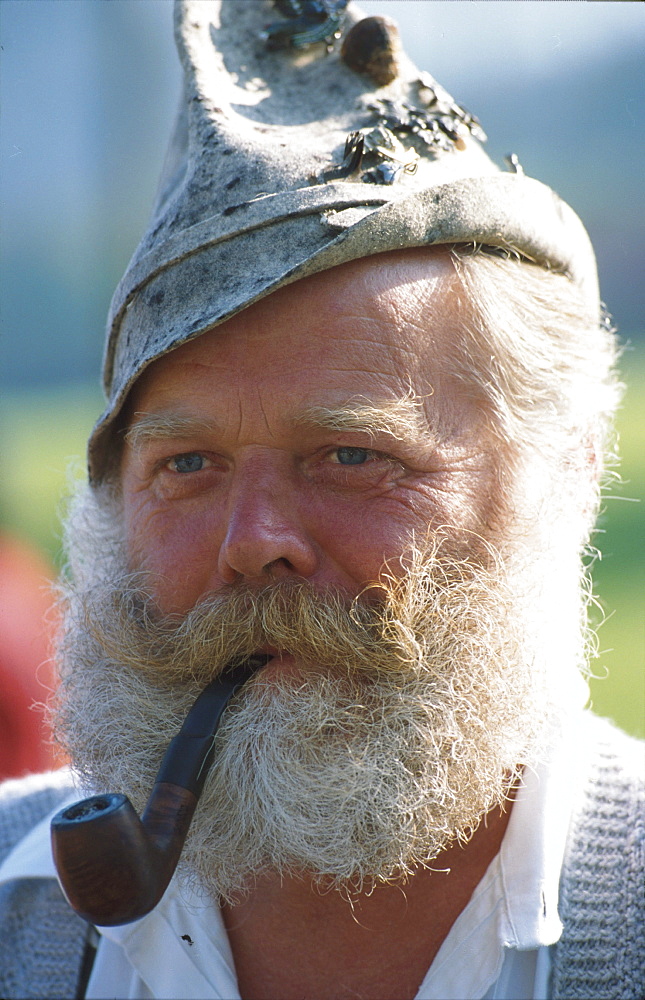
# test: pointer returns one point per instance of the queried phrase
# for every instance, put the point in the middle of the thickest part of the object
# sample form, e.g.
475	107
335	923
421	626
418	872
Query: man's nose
265	536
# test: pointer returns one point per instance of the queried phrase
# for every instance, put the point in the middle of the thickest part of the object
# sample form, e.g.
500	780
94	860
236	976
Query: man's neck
291	941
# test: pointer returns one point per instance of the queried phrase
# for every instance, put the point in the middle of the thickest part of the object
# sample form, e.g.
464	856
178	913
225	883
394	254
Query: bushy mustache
386	629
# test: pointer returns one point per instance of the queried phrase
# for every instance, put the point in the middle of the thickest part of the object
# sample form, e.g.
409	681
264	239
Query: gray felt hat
306	139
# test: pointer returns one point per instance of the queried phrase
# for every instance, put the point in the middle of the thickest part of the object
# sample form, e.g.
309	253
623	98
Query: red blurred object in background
26	672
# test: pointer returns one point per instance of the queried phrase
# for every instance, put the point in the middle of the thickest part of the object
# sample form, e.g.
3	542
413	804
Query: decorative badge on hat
306	138
309	21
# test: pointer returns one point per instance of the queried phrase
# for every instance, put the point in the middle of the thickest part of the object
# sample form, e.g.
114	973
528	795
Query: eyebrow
402	419
154	426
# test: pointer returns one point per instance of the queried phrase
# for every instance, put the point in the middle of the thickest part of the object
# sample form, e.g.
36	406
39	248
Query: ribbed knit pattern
41	938
24	802
601	955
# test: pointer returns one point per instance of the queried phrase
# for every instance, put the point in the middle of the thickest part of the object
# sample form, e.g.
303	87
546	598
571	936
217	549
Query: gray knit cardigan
601	955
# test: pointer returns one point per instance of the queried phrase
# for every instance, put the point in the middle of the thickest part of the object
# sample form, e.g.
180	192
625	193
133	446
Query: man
359	396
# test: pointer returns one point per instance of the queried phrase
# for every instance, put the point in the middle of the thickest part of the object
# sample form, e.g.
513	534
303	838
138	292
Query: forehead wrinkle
153	426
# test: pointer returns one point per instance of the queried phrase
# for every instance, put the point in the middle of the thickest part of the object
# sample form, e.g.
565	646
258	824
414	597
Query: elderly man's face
315	435
312	439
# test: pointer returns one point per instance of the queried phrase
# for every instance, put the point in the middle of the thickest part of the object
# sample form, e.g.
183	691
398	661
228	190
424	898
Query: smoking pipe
114	867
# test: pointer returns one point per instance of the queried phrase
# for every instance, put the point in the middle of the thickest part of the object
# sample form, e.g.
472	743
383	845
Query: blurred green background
89	92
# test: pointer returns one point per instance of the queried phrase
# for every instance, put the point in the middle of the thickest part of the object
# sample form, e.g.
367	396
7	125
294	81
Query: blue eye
190	462
352	456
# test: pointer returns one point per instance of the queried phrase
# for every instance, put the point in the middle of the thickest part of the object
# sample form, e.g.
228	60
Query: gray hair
544	362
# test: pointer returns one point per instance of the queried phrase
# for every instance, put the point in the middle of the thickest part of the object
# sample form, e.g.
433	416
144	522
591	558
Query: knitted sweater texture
601	955
602	889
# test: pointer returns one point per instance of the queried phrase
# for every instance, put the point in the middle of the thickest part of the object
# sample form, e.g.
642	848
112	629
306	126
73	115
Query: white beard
345	774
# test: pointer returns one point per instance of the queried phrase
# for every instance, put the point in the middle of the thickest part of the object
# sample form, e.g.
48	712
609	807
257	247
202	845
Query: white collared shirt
497	949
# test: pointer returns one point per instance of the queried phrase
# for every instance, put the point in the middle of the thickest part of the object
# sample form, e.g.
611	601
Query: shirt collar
189	932
532	851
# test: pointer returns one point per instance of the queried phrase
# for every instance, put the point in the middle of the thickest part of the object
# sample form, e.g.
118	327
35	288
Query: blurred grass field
44	434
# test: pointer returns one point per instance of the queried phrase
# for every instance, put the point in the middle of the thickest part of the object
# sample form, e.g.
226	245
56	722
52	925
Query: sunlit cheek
178	554
357	538
416	515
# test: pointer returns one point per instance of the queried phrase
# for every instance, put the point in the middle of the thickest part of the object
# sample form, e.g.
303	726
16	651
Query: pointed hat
296	150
